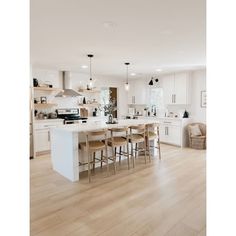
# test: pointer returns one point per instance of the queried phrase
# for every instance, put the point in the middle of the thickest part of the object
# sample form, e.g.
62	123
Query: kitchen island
65	152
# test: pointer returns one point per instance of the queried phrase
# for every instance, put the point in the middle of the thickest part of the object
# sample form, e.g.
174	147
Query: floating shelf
48	90
44	105
89	105
89	91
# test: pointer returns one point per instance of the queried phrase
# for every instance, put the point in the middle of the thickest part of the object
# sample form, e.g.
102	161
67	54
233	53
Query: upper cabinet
176	88
137	93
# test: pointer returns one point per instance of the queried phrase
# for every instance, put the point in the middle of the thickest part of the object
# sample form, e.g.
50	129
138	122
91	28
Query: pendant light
90	79
127	80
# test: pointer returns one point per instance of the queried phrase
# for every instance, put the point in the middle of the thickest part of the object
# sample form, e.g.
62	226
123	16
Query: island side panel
64	153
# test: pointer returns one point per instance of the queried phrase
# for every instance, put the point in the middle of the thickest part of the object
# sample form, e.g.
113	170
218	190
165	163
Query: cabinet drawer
47	125
171	122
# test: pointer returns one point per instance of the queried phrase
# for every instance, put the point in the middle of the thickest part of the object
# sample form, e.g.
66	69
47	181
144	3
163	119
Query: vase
110	118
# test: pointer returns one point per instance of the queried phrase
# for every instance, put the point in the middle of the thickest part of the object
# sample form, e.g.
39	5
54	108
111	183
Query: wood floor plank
159	198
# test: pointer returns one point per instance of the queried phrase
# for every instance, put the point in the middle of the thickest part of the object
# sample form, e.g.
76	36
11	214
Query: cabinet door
168	89
131	93
140	92
180	88
164	137
42	140
174	135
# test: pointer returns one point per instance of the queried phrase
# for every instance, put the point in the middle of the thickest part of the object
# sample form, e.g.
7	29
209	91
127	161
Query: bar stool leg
145	151
114	158
89	171
159	148
106	153
136	150
101	158
132	154
120	155
128	154
94	155
148	147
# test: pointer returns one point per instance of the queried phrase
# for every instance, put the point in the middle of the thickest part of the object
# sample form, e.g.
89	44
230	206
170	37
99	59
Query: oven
71	116
80	121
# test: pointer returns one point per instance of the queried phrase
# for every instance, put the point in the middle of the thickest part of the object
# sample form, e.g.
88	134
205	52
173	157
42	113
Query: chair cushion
136	138
117	141
195	130
93	145
151	135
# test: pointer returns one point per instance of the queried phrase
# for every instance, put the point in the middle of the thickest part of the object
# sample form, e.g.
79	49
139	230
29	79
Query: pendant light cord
127	75
90	69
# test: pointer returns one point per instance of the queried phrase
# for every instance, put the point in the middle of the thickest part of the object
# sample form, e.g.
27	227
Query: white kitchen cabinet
42	140
176	88
174	131
137	93
42	134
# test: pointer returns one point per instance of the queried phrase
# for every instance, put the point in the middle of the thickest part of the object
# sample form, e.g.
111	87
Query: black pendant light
90	79
127	79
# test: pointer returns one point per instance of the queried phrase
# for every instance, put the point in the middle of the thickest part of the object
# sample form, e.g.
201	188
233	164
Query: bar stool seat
151	135
117	141
93	145
136	138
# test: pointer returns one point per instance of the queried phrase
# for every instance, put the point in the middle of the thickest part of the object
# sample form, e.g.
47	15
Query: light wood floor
164	197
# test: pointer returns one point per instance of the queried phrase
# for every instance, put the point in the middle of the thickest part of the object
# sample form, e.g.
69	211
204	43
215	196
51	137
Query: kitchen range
71	116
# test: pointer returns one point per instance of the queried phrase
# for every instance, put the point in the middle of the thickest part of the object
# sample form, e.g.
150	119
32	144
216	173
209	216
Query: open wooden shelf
89	91
47	90
44	105
89	105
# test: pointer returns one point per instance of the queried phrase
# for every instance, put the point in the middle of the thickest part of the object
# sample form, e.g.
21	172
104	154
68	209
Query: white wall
198	85
78	80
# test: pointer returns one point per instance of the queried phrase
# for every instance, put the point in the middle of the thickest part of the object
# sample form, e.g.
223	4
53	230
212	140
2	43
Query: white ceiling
150	34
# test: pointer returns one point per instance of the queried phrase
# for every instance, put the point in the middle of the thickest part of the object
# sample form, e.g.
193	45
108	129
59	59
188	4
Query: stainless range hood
66	85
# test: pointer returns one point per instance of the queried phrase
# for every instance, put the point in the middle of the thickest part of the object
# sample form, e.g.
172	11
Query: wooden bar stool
137	135
152	133
93	146
118	141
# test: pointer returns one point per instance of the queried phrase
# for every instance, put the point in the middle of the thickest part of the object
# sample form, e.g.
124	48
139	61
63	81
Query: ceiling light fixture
158	70
84	66
90	79
127	79
133	74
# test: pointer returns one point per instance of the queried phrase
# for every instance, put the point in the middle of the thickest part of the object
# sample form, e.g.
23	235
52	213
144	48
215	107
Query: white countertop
101	125
48	120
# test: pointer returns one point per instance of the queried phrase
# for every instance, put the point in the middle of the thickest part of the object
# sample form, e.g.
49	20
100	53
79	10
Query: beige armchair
197	141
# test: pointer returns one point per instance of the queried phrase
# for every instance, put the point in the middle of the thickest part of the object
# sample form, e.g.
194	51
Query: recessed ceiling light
158	70
84	66
133	74
108	24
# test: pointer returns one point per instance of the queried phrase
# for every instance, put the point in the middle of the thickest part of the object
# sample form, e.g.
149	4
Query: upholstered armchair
197	135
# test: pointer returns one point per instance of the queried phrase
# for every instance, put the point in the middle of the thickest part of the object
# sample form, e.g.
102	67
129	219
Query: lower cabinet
174	131
170	134
42	134
42	140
